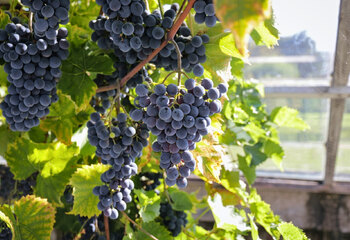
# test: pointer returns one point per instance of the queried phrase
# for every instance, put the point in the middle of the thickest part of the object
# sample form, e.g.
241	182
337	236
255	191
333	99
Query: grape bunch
117	146
172	220
134	36
8	184
48	15
149	180
192	51
179	118
5	232
205	12
32	62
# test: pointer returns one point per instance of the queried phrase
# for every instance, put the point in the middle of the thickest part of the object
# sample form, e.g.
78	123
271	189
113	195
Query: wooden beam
340	78
307	92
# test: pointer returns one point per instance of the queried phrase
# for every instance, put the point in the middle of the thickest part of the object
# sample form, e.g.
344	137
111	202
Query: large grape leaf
17	157
241	17
244	164
83	181
76	81
64	117
35	218
226	217
154	228
55	163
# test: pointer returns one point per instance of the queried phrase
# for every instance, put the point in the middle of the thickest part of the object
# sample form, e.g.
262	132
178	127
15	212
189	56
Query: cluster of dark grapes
149	180
32	62
179	118
48	15
205	12
172	220
8	184
117	145
192	52
133	34
5	232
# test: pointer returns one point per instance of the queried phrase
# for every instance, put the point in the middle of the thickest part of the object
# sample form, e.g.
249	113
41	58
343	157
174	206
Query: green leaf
6	136
265	33
254	228
53	186
154	228
181	200
226	217
7	221
288	117
263	214
17	157
274	150
35	218
257	156
150	212
229	179
6	210
150	204
62	120
291	232
76	81
237	66
248	171
54	161
241	16
83	181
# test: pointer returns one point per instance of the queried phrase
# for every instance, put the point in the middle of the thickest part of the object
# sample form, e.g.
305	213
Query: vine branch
137	225
106	222
170	37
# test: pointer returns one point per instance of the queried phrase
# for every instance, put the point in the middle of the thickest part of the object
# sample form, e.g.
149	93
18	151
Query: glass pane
343	161
304	151
306	47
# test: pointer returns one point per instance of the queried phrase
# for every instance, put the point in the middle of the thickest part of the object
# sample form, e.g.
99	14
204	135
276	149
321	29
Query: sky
319	18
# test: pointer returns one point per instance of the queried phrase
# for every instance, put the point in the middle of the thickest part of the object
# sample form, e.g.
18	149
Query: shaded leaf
181	201
248	171
76	81
83	181
6	137
257	156
150	204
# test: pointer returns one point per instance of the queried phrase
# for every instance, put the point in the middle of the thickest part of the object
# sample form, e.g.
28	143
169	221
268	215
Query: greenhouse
174	119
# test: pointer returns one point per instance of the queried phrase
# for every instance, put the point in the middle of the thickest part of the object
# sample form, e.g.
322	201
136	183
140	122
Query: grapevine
100	145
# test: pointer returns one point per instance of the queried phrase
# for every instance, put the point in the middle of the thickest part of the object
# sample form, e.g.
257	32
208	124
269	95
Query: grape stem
169	37
31	22
106	222
160	8
179	56
138	226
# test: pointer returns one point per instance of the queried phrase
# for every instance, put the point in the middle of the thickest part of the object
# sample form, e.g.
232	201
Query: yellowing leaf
241	17
83	181
35	218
